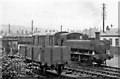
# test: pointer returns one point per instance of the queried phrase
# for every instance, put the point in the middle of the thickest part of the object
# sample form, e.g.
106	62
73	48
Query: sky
71	14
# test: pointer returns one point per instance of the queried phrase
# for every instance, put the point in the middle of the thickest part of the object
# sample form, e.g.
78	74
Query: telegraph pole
61	28
103	16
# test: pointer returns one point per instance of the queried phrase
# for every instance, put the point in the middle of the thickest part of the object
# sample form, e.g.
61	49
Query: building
112	35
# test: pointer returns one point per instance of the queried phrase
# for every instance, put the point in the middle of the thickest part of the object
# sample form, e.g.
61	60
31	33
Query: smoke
70	14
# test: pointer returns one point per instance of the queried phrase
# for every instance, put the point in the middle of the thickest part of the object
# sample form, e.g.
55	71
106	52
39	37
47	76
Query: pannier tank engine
88	51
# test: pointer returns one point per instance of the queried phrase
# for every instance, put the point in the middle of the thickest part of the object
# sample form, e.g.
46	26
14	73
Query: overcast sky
72	14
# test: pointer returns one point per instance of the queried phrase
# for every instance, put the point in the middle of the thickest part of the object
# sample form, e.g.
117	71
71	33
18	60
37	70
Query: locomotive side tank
79	44
98	46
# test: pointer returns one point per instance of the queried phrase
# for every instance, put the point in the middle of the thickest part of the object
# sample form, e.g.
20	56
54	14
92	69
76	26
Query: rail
94	72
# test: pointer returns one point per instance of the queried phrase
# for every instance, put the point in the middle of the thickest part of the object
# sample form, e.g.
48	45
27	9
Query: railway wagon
9	44
25	39
49	55
43	40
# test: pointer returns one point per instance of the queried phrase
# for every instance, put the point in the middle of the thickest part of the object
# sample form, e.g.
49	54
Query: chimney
97	35
9	29
32	27
107	28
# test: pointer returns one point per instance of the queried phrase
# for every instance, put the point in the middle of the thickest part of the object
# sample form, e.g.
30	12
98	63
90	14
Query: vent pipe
97	35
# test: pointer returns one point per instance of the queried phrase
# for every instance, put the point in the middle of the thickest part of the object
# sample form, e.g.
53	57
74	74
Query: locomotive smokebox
97	35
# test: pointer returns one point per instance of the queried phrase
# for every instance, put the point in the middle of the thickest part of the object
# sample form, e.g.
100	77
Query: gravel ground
0	67
113	62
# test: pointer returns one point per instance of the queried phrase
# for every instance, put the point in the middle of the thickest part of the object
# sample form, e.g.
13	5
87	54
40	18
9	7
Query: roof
59	33
64	34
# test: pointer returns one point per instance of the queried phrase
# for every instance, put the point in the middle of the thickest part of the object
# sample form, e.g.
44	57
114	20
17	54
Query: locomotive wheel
59	68
99	62
43	68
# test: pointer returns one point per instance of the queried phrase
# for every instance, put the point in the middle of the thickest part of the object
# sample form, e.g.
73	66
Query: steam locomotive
86	51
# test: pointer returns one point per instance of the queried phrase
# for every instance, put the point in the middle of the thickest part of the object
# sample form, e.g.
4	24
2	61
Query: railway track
104	72
115	69
108	69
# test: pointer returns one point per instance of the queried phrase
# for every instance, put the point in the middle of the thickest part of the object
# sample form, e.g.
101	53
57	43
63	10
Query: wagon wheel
59	69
